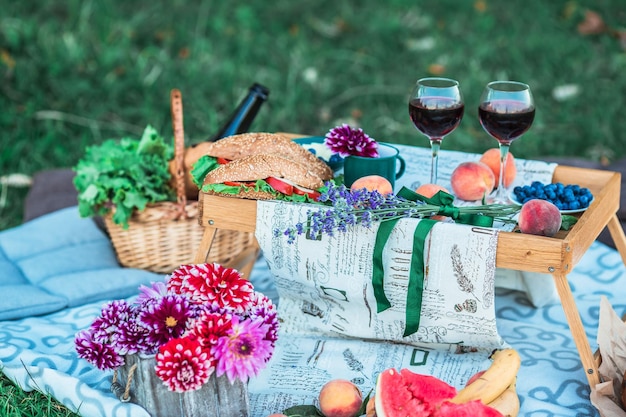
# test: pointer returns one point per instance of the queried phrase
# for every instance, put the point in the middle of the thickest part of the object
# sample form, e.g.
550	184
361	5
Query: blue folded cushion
27	300
61	260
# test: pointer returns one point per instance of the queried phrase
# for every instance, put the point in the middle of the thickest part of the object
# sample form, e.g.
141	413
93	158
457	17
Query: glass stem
435	144
501	196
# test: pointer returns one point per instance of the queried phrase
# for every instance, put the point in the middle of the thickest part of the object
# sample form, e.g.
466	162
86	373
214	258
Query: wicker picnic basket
167	234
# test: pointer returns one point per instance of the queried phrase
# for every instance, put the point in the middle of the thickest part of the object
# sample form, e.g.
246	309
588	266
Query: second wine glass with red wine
436	109
506	112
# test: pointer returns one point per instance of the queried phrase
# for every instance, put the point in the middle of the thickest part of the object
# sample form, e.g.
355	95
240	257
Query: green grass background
73	73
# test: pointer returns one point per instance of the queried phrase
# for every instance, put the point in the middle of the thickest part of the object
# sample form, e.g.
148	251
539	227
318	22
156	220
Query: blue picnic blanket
60	269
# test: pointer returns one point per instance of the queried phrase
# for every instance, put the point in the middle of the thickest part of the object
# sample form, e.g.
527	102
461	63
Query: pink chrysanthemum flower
212	283
102	355
167	319
211	326
184	365
263	308
151	294
244	352
345	141
111	316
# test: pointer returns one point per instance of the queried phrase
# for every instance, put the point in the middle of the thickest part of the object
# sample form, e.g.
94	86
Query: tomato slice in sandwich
222	161
239	183
280	185
313	195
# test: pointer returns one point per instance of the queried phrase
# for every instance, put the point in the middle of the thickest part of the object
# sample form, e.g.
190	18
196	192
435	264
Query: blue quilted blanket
56	272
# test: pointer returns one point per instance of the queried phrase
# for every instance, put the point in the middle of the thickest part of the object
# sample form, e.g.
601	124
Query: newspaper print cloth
327	283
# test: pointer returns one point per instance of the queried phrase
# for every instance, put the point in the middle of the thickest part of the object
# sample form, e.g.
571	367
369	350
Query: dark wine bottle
241	119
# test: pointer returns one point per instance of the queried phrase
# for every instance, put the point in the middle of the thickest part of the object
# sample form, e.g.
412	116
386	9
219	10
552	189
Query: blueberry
574	205
583	200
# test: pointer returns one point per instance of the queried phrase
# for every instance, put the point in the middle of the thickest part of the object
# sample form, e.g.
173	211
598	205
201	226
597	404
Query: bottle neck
241	119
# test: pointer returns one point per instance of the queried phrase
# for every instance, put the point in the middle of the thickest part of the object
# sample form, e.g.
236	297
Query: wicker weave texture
158	242
166	235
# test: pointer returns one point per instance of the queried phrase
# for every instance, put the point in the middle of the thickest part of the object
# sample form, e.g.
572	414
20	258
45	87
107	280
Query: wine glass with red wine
436	109
506	112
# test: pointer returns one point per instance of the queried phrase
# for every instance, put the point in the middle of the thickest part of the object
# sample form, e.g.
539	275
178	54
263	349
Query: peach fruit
370	407
340	398
491	158
277	415
472	181
373	182
429	190
539	217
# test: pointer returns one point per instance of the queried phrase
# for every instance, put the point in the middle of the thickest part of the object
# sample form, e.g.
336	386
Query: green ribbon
416	277
416	272
446	208
378	275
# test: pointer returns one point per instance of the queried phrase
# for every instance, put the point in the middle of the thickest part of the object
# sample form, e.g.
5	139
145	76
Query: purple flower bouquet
205	320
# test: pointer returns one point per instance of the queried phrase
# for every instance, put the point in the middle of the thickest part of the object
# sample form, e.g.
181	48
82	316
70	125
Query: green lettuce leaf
123	176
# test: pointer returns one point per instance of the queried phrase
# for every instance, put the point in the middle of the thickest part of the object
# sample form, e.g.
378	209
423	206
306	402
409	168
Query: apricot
370	407
429	190
491	158
340	398
373	182
472	181
539	217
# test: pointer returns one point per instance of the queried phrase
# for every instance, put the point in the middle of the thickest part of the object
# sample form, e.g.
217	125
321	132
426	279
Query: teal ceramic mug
389	164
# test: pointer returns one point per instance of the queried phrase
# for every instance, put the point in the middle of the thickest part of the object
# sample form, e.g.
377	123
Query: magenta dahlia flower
212	283
345	141
111	316
102	355
263	308
183	364
244	351
132	337
167	319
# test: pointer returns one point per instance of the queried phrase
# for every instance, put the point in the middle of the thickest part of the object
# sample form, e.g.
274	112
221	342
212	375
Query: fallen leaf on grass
593	24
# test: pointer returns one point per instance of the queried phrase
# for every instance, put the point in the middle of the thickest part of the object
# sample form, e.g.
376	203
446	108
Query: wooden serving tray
552	255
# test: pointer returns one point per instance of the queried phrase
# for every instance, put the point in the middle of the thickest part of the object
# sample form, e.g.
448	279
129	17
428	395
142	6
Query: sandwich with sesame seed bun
262	166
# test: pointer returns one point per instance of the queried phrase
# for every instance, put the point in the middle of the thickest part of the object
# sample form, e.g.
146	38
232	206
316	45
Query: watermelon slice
408	394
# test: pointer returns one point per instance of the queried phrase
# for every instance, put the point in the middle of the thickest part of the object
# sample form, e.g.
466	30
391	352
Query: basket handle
176	102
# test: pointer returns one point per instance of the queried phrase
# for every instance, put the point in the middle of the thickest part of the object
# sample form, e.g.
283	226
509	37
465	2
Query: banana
502	373
507	403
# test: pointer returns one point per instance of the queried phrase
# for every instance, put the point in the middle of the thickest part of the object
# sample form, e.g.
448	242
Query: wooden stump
217	398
